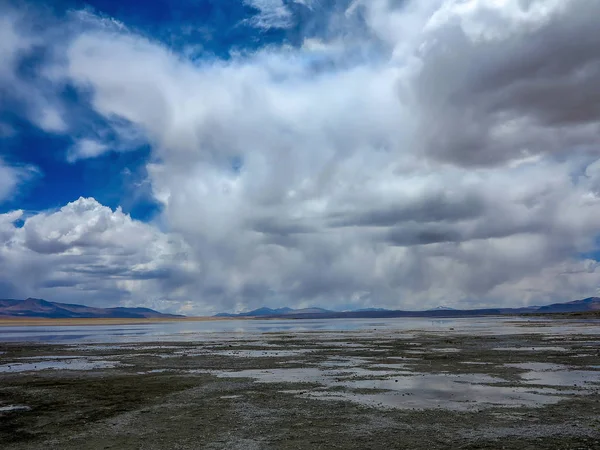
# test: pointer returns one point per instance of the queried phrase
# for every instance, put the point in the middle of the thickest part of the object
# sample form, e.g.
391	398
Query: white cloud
86	148
85	252
457	165
35	101
11	177
272	14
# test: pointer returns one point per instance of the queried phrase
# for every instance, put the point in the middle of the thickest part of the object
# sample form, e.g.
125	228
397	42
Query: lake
230	329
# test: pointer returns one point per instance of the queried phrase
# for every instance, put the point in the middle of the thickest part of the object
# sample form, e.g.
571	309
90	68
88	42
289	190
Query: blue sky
201	30
217	27
207	156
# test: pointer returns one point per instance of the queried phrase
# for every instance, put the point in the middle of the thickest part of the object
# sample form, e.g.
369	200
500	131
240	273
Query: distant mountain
38	308
265	312
585	305
258	312
370	309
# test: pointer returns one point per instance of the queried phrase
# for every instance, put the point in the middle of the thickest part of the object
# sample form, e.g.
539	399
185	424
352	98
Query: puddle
334	344
147	372
403	358
404	389
51	357
456	397
67	364
562	378
531	349
262	353
304	375
556	375
12	408
389	366
445	350
94	347
345	362
537	366
325	377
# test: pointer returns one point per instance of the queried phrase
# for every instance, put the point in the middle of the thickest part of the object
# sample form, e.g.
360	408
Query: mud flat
512	385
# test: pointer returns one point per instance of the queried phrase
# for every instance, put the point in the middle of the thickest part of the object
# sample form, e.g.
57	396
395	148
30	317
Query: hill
38	308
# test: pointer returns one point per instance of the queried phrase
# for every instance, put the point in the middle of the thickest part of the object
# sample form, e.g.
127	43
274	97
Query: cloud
86	252
12	177
272	14
86	148
454	162
33	98
516	82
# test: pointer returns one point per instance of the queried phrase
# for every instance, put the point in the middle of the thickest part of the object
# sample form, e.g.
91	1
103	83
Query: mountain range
585	305
38	308
279	312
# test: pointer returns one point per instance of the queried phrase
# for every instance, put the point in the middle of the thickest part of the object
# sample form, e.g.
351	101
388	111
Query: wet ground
512	384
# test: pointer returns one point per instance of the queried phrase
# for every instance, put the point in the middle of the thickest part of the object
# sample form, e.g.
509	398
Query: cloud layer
433	152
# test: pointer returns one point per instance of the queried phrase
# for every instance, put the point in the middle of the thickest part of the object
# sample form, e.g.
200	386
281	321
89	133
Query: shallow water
232	329
395	385
14	408
531	349
404	389
450	396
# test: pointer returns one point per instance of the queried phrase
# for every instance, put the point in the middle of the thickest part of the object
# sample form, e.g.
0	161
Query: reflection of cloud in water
405	389
531	349
14	408
308	329
556	375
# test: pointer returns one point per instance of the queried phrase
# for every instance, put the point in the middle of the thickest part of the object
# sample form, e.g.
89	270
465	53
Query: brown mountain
35	307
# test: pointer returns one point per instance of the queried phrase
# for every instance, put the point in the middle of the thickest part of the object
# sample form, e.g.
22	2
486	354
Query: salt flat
393	383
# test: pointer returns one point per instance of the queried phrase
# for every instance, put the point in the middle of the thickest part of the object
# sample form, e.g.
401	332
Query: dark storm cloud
427	208
280	228
515	91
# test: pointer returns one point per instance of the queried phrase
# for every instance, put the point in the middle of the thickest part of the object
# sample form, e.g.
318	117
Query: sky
204	156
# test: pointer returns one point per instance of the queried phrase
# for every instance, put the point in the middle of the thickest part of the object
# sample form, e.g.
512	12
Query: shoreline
45	322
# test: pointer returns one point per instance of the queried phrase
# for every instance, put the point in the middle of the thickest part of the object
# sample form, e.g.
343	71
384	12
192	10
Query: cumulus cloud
519	79
456	162
89	253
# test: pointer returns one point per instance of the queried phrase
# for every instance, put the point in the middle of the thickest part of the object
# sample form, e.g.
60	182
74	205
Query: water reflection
198	331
